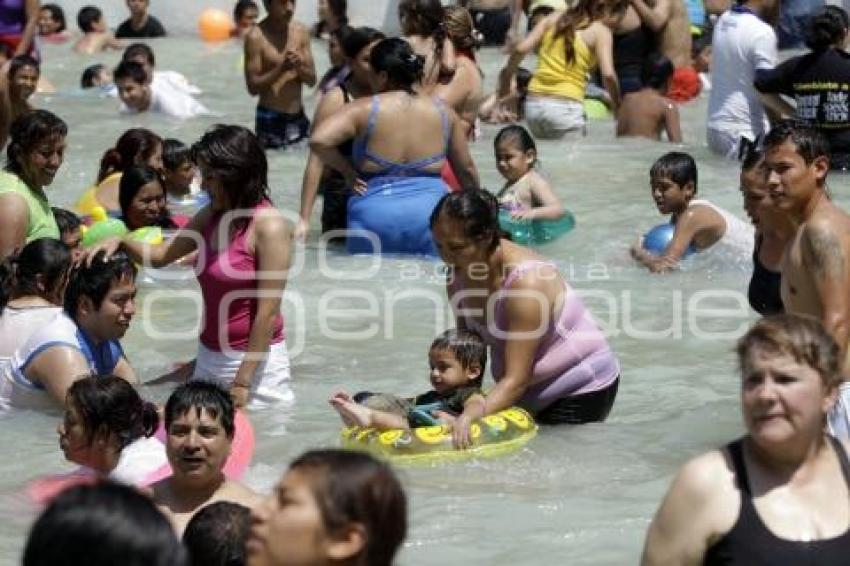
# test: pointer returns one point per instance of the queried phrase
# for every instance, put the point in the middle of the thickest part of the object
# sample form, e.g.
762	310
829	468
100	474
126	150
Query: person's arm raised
272	245
256	80
826	258
31	11
15	219
656	16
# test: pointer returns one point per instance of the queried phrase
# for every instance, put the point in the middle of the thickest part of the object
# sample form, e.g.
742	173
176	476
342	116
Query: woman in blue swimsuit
401	139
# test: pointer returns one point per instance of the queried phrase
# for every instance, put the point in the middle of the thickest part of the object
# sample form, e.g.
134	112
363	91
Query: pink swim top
218	282
573	356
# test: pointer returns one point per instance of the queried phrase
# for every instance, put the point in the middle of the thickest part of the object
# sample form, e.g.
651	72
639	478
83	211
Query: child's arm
697	220
113	43
672	123
541	191
518	53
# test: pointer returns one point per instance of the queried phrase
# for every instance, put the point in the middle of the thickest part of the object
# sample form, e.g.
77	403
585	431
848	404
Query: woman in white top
32	285
108	430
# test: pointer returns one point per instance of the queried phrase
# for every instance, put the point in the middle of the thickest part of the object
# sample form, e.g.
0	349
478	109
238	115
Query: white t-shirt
176	81
172	102
738	239
741	44
18	324
138	461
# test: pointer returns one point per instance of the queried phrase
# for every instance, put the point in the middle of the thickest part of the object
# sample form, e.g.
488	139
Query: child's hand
637	248
523	214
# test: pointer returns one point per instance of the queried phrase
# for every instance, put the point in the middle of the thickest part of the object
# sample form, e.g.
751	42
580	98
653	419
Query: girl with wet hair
32	288
423	26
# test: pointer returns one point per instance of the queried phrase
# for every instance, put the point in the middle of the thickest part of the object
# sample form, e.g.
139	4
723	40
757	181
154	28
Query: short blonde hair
802	337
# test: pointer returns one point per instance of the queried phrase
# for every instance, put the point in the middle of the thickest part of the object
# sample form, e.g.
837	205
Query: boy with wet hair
178	169
96	36
457	359
70	229
140	24
647	112
278	62
698	223
138	95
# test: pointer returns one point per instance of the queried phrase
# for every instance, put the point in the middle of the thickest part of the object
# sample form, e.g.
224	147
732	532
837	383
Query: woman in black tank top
781	494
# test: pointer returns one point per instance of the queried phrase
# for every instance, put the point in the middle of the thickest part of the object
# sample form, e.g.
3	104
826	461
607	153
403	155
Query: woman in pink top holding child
548	354
241	268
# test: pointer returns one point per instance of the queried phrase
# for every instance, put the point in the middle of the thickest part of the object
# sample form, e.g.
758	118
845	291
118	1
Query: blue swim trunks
279	130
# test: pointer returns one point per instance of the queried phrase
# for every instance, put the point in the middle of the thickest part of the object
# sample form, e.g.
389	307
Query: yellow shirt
555	76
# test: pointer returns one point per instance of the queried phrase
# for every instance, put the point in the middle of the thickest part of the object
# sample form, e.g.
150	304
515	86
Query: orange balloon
214	25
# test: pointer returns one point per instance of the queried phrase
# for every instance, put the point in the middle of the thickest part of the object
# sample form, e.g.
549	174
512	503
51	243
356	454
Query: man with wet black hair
199	421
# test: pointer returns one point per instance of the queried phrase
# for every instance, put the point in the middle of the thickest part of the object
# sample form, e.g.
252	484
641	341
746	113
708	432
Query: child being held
526	194
647	112
457	359
70	230
698	224
179	178
138	95
96	36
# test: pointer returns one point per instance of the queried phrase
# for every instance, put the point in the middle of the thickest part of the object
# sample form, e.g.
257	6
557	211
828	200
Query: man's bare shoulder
237	492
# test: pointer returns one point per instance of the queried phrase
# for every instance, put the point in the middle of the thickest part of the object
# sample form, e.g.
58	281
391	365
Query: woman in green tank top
34	154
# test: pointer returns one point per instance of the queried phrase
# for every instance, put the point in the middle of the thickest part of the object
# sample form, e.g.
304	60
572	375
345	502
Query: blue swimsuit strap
361	146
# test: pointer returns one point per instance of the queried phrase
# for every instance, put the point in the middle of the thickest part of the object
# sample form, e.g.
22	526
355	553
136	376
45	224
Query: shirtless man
199	420
278	61
816	265
492	18
669	20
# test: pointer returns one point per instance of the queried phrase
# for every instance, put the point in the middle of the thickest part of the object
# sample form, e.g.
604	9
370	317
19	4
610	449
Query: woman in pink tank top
548	354
243	244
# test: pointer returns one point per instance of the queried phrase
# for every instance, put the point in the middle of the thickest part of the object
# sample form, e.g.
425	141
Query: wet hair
518	136
175	153
752	157
203	396
18	62
358	39
243	6
87	17
396	58
585	11
216	535
130	70
132	181
425	18
802	337
109	403
236	158
354	487
467	347
827	28
657	70
102	525
95	280
27	132
135	146
41	263
477	209
808	141
57	14
339	8
139	49
677	166
459	28
90	75
66	220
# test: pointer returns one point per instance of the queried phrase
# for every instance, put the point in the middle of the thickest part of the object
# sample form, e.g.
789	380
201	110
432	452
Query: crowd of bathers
162	484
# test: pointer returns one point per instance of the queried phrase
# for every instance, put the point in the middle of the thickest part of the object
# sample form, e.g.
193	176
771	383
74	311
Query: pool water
575	495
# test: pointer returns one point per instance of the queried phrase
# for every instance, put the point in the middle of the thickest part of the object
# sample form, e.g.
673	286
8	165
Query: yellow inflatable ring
494	435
